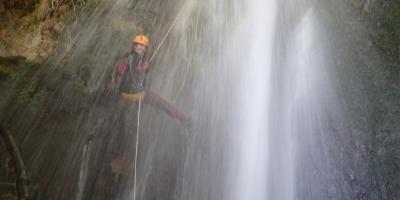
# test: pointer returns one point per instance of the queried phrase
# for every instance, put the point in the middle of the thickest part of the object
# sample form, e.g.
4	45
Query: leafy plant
9	196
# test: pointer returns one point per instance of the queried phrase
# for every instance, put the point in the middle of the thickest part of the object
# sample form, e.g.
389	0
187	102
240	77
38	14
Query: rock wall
31	28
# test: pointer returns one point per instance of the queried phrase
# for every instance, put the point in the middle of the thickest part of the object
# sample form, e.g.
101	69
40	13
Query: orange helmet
141	39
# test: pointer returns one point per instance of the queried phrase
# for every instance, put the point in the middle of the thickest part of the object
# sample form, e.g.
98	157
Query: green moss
17	82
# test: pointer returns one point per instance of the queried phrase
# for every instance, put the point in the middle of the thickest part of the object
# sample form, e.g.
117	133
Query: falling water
255	76
253	94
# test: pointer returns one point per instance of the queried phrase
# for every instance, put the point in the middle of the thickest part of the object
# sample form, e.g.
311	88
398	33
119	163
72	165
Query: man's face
139	48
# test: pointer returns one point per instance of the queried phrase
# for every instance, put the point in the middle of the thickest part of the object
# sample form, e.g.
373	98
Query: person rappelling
129	76
131	69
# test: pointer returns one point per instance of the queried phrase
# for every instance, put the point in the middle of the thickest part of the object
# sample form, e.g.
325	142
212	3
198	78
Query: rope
164	38
138	113
137	133
136	150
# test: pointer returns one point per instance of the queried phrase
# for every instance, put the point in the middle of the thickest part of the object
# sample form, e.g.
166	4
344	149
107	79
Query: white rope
138	113
136	150
164	38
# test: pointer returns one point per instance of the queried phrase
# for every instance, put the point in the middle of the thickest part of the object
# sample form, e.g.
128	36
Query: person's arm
118	68
158	102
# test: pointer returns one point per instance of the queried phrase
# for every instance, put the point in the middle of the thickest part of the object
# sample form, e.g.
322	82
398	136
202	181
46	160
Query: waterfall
258	78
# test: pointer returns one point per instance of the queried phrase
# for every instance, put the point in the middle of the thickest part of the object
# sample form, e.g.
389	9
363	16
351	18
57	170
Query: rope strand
165	37
139	109
136	150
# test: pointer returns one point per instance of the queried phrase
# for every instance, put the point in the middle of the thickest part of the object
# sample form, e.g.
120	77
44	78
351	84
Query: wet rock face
25	5
20	34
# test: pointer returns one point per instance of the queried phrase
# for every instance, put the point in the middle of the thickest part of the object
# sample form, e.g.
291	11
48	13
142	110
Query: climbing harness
133	97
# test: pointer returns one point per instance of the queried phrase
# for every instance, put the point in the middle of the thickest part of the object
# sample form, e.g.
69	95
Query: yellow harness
134	97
